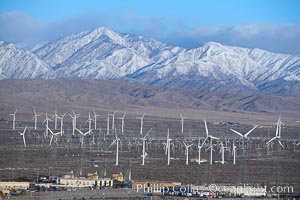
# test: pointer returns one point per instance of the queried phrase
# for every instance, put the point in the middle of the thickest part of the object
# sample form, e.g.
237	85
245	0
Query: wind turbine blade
148	133
112	143
24	129
79	131
280	143
271	140
203	142
250	131
87	132
212	137
237	132
206	129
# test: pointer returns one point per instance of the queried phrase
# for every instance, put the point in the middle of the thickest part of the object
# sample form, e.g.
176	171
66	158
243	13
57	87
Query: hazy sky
268	24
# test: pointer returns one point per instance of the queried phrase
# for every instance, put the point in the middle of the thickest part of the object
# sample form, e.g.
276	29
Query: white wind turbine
55	119
278	133
187	146
117	140
144	155
107	127
142	122
182	119
168	147
14	118
199	151
61	122
234	153
89	121
222	150
122	123
245	136
23	135
52	134
95	119
82	136
113	120
35	116
47	119
209	138
74	118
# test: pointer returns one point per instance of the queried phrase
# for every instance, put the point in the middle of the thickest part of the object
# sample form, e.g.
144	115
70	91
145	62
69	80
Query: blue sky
268	24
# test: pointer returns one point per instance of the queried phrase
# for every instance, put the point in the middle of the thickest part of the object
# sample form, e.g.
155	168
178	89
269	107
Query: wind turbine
61	122
95	119
278	133
199	151
74	117
82	135
117	140
245	136
209	138
35	118
113	120
89	121
144	141
168	146
142	122
234	153
182	118
55	119
23	135
187	146
122	123
222	150
47	123
14	118
52	134
107	127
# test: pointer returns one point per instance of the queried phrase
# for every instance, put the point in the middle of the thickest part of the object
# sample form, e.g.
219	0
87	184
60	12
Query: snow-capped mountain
217	67
105	54
20	64
102	53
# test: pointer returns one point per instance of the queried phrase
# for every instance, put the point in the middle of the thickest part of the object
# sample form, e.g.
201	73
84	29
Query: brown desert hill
68	94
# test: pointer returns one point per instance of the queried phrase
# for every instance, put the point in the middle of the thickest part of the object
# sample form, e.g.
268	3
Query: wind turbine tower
35	116
142	122
95	119
187	146
144	155
182	119
14	118
168	146
122	123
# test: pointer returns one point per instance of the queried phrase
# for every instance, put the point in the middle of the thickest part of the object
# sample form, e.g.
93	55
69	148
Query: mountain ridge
105	54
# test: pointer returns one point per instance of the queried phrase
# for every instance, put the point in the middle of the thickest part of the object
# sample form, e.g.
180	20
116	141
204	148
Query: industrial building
84	182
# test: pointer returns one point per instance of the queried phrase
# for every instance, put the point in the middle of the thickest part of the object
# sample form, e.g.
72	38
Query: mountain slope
18	63
104	54
116	94
217	67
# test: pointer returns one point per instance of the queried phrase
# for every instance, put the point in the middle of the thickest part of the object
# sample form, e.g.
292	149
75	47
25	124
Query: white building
83	182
